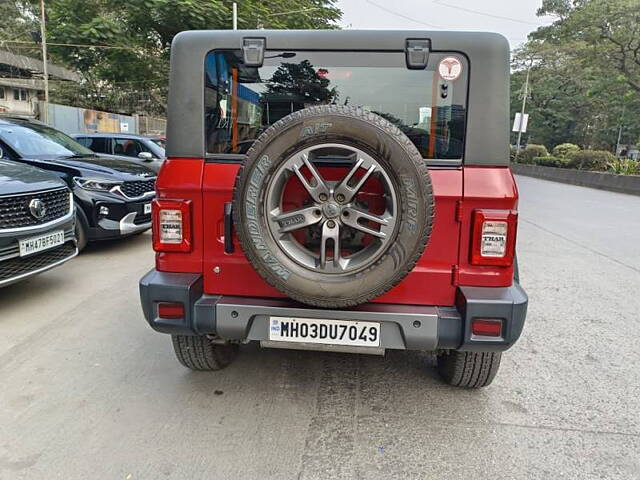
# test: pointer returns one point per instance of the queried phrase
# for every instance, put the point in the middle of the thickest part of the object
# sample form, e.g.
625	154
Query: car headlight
96	184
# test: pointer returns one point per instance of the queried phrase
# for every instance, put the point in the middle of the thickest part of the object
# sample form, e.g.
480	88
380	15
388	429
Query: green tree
585	73
302	81
603	34
122	46
19	29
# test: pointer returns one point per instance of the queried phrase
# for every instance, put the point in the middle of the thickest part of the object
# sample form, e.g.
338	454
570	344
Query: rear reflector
170	310
486	327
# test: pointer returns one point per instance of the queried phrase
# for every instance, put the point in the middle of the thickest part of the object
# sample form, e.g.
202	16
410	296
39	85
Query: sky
512	18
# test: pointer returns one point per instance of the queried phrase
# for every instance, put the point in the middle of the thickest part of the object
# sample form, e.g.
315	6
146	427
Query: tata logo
37	208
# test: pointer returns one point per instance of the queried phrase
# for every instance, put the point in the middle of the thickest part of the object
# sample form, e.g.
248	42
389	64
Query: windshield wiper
81	155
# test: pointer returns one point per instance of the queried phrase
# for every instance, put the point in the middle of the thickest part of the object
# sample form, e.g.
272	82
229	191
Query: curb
629	184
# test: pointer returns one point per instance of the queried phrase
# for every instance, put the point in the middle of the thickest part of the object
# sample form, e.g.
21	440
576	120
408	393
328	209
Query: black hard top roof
487	138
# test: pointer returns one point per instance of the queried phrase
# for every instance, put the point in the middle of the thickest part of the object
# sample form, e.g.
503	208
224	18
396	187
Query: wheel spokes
324	227
352	217
347	191
320	188
296	219
330	234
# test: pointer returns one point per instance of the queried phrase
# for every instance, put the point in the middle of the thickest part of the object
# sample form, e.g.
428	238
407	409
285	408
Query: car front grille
14	210
18	266
138	188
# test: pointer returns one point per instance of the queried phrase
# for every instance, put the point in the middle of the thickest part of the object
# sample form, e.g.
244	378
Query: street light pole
524	105
43	34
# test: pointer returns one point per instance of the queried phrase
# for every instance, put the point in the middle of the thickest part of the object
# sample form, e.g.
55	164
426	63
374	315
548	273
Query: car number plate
147	208
41	242
331	332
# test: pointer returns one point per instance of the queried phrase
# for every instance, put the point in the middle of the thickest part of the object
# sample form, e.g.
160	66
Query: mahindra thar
344	191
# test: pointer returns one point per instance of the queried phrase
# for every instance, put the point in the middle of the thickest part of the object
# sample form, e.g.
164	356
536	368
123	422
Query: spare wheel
333	206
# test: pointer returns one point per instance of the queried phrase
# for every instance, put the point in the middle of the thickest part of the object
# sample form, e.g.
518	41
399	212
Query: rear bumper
404	327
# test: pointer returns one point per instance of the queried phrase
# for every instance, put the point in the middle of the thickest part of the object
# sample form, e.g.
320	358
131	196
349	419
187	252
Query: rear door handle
228	227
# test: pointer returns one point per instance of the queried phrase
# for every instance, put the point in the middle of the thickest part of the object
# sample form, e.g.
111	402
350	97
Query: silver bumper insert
127	226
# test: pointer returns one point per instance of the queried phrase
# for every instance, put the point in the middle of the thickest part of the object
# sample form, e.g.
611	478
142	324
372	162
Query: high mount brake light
494	237
171	225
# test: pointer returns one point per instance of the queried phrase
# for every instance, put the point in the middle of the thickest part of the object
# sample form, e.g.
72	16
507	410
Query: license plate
331	332
41	242
147	208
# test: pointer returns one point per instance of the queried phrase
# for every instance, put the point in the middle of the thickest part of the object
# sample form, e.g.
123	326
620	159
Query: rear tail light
486	327
171	225
171	310
494	237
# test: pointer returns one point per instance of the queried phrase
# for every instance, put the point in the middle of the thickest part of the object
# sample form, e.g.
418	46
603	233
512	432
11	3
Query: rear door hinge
455	275
458	212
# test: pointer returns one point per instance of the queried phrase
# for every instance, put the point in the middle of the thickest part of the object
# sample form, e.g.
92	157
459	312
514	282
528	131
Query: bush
550	161
591	160
625	167
512	153
532	151
564	149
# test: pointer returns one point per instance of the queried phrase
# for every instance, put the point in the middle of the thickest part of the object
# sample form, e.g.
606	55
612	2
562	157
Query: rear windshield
241	102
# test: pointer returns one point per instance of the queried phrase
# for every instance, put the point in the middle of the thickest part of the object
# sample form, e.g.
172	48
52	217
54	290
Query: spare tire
333	206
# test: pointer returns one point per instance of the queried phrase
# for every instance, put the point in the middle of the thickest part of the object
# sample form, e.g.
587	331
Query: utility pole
235	16
624	107
524	104
43	34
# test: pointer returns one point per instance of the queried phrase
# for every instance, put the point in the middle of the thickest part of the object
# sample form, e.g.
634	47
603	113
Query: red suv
344	191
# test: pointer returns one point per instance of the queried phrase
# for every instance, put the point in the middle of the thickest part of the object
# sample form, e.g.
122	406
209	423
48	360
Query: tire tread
469	369
197	352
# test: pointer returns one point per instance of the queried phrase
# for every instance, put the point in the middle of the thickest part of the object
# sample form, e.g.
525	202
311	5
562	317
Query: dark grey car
36	221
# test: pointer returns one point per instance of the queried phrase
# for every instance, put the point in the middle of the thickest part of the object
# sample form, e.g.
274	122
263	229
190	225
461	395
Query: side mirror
146	156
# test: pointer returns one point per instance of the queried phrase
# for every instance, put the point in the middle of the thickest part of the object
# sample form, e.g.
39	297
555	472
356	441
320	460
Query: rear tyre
198	352
469	369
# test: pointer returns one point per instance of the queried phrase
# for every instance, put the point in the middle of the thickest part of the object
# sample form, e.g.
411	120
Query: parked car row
57	195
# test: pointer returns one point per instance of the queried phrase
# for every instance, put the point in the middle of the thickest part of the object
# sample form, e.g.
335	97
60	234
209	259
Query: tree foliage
585	73
302	81
15	24
122	46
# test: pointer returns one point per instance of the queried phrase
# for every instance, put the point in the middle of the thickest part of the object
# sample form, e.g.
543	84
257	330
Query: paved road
89	391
